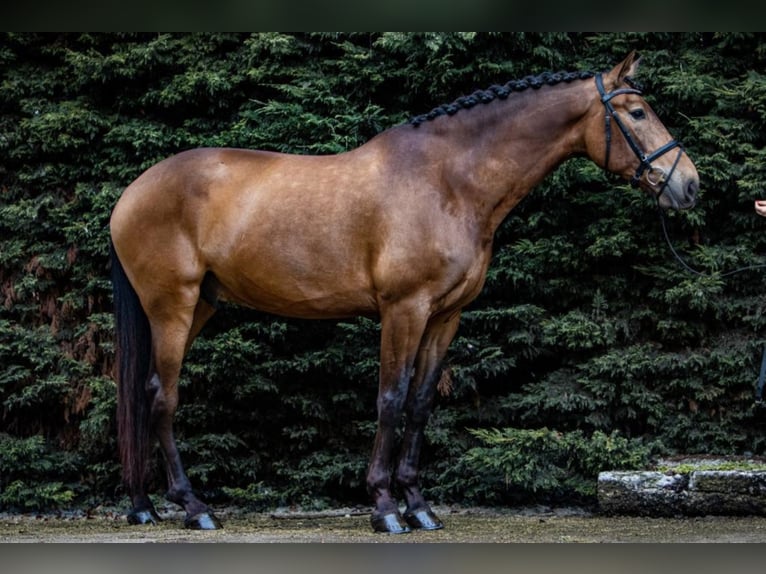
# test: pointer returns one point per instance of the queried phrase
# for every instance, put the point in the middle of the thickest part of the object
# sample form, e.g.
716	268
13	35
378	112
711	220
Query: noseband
645	160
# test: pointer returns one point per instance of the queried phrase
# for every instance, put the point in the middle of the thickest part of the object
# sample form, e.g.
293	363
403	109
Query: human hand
760	207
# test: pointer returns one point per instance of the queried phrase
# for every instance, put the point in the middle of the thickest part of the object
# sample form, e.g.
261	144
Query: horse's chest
464	278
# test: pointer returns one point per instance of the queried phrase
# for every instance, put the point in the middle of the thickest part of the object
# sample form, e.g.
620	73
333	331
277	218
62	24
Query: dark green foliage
590	347
33	477
516	464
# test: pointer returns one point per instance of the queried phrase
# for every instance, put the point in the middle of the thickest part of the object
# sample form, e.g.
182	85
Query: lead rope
762	375
688	267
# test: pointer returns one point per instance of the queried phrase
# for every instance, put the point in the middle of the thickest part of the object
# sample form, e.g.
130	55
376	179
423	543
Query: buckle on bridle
660	179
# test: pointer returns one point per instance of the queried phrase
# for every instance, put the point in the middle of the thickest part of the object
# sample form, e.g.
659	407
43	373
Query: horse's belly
289	296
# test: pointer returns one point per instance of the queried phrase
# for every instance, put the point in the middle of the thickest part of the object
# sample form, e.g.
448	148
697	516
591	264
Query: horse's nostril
692	189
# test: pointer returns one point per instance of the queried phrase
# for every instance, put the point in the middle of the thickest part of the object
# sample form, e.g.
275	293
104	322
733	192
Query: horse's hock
692	487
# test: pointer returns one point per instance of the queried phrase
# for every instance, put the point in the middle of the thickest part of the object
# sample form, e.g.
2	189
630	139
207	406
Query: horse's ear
626	69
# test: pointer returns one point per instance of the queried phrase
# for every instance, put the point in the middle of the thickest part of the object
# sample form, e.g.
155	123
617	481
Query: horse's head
627	136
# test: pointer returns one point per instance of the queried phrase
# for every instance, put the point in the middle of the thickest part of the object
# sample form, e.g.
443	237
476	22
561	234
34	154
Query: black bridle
645	160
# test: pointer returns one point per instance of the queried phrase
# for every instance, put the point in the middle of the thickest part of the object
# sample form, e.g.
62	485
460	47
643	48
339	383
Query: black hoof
203	521
423	519
391	523
144	516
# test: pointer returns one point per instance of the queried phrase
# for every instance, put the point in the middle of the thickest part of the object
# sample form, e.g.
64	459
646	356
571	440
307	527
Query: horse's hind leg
172	335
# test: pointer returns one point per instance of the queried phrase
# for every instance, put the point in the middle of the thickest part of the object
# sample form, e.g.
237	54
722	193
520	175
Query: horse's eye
637	114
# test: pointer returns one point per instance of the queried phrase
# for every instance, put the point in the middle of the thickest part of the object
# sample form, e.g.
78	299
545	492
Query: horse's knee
391	406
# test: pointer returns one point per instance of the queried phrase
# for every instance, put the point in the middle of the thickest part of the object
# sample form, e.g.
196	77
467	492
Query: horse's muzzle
679	197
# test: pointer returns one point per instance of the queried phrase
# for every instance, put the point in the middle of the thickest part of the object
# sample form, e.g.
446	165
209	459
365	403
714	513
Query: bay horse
400	228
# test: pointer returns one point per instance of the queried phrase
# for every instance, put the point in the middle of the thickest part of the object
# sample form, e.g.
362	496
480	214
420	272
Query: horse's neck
508	147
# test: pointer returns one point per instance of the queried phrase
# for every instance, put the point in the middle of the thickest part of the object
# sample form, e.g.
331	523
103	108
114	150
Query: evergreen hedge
589	347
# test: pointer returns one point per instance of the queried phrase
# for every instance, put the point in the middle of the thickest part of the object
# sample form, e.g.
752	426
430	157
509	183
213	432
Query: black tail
133	345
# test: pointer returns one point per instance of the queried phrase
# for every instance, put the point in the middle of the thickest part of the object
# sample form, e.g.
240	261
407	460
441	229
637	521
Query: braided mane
502	92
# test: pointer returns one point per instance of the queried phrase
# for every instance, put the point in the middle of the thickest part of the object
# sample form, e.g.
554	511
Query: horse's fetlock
378	483
407	477
177	496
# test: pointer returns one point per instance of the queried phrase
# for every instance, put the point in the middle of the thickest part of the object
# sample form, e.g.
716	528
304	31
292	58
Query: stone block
694	493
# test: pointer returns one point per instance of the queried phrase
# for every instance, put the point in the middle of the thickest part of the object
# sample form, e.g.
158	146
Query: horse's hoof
144	516
391	523
203	521
423	519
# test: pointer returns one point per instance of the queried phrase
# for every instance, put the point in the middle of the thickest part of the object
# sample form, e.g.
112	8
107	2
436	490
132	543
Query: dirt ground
352	526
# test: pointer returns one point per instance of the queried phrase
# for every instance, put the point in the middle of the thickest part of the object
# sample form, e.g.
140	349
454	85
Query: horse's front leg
402	326
418	410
